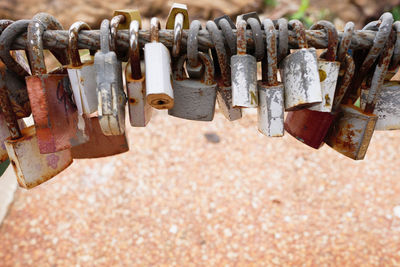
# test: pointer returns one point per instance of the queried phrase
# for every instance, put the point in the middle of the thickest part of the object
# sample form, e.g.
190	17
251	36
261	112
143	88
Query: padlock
54	114
139	110
81	75
15	72
351	133
31	167
299	72
328	68
129	16
271	107
110	92
178	19
159	92
194	99
243	72
311	127
224	88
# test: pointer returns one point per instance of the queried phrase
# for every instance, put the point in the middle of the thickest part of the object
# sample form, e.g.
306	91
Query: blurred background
211	194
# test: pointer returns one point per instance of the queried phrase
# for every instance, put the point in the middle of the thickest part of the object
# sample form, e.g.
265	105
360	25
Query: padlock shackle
208	74
300	31
270	72
394	64
73	49
341	87
134	50
226	25
7	37
155	27
241	37
105	36
178	29
345	42
332	38
115	22
193	44
255	27
283	47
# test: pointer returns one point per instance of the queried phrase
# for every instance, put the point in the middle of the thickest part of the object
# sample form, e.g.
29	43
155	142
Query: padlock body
193	100
271	109
54	114
110	93
99	144
224	98
31	167
159	92
244	81
83	84
139	110
309	126
351	132
299	72
328	75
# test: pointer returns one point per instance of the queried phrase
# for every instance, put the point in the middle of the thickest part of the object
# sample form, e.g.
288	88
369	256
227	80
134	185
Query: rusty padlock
54	114
351	133
299	72
224	89
328	67
178	19
139	110
311	127
270	92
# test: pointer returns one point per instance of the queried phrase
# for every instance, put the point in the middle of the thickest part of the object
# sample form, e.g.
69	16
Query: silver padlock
243	72
139	110
110	92
300	76
270	92
328	67
81	75
159	92
194	99
224	89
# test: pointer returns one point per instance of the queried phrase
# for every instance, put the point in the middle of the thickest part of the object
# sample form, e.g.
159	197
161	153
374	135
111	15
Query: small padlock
328	68
243	72
178	19
159	92
31	167
224	88
194	99
271	107
81	75
54	114
139	110
299	72
110	93
351	133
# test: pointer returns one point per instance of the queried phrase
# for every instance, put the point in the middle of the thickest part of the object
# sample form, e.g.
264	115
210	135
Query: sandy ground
180	199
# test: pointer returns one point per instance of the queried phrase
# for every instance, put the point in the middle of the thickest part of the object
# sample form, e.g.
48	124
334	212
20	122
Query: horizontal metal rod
362	39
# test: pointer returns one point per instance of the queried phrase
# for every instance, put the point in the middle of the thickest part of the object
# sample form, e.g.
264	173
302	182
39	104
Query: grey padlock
110	92
159	92
224	89
271	107
299	72
244	72
194	99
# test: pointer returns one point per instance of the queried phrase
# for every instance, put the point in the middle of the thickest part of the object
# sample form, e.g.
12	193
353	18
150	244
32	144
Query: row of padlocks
339	97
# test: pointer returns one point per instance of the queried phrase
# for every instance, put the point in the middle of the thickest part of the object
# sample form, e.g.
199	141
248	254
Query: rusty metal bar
362	39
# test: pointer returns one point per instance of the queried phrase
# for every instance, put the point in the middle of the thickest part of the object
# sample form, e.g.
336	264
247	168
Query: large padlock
351	133
299	72
139	110
270	113
328	68
31	167
54	114
243	72
81	75
159	93
194	99
110	92
311	127
178	19
224	85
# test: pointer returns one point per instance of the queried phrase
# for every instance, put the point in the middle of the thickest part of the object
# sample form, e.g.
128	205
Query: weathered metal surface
178	19
226	25
194	67
130	15
194	99
244	73
255	26
283	37
110	93
159	93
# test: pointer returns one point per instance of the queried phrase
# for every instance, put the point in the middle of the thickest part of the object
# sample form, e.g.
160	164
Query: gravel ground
212	194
